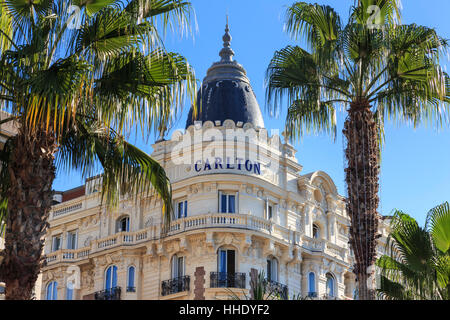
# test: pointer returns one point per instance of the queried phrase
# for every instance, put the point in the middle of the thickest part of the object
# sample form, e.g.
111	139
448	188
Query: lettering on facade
221	163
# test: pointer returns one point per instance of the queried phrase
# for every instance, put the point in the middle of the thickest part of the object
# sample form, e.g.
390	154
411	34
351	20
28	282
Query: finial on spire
226	53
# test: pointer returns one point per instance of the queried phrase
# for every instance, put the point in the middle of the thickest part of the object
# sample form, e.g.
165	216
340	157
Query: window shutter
69	240
180	266
185	208
275	270
237	202
267	209
219	209
174	266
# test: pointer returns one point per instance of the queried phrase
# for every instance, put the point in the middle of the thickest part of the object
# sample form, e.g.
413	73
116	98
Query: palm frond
126	169
310	117
318	24
438	222
149	88
170	13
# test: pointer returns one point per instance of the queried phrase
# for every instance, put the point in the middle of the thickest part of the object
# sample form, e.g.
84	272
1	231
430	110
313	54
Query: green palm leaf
438	221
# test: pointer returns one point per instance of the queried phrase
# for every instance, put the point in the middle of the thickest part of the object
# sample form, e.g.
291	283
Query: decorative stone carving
260	193
87	241
269	248
228	239
148	222
87	279
246	243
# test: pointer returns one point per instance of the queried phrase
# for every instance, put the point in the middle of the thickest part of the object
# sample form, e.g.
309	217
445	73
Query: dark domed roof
226	92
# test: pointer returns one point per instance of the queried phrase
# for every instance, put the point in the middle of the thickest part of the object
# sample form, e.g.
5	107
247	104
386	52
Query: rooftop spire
226	53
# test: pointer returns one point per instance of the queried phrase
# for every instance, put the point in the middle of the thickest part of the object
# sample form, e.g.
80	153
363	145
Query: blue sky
415	170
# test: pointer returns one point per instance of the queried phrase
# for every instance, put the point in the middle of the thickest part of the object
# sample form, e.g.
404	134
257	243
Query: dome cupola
226	92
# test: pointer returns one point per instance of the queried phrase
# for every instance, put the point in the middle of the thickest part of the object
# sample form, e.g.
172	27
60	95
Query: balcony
108	294
218	220
115	240
227	280
66	208
131	289
277	288
175	285
312	294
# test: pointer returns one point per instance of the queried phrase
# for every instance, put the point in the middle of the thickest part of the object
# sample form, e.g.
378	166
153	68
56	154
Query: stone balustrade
65	208
216	220
122	238
234	220
313	244
67	255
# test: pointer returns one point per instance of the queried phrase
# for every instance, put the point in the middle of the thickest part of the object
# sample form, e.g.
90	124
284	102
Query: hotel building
241	205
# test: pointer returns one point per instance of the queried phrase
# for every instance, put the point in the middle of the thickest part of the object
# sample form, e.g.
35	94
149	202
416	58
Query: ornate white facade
241	204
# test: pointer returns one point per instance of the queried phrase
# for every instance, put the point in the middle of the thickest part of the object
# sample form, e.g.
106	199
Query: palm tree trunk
362	155
32	172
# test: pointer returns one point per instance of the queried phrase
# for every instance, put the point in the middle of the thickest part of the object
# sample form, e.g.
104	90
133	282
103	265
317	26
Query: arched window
316	231
130	285
123	224
312	284
177	266
330	285
52	291
272	269
111	278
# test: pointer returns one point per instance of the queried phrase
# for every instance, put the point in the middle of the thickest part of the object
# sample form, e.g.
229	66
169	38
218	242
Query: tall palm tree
372	68
76	76
417	266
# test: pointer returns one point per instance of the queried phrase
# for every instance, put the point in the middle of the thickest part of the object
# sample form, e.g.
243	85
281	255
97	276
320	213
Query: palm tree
371	71
76	76
417	266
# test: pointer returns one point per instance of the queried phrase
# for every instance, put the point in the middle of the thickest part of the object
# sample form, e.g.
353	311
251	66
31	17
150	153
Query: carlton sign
226	164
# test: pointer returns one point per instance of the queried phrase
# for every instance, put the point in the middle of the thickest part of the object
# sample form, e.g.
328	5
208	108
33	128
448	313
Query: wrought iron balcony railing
312	294
227	280
175	285
131	289
108	294
277	288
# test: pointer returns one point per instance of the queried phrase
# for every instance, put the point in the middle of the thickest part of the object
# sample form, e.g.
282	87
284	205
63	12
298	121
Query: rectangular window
182	209
72	240
56	243
228	202
271	209
227	261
